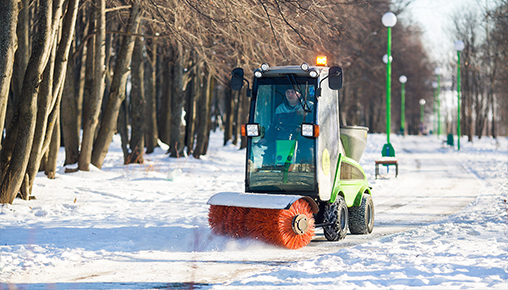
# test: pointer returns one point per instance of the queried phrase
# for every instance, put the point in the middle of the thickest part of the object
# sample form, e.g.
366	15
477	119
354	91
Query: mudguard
351	189
259	200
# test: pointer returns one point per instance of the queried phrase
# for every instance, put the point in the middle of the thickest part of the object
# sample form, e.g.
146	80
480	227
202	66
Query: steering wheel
288	127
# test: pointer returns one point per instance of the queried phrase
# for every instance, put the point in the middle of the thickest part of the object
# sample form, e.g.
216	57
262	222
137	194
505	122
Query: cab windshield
281	159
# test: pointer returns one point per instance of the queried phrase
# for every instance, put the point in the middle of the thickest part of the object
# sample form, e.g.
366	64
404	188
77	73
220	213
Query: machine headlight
313	74
250	130
310	130
304	66
264	67
258	73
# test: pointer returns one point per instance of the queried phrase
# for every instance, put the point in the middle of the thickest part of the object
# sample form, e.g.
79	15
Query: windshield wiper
297	88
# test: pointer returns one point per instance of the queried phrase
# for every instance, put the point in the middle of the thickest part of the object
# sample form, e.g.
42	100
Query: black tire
337	214
361	218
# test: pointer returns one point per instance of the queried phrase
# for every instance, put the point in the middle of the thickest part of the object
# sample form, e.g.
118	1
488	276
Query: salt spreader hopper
302	169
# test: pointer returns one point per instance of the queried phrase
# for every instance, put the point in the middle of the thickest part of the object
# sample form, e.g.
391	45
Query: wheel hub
300	224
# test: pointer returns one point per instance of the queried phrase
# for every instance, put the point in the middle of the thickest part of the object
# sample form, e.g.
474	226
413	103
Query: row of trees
78	72
484	85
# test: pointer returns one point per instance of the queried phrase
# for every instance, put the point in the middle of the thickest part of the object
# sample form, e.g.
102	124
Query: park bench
387	161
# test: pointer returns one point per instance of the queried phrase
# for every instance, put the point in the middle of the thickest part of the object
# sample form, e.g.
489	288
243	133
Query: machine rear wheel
361	218
337	215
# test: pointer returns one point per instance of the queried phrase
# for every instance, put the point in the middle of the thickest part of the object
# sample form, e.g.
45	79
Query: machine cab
291	106
282	157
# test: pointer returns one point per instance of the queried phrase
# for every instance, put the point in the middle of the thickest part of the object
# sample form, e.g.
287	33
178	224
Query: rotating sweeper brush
302	170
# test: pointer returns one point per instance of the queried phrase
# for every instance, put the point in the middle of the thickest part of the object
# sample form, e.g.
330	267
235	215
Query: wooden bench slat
387	161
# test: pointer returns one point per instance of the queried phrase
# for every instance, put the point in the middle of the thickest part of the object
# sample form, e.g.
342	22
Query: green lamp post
422	104
434	86
389	20
459	46
437	71
403	80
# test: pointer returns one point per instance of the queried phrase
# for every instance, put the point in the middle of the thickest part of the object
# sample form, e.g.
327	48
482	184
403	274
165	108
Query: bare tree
8	18
117	93
151	135
49	96
499	106
21	57
20	135
91	119
137	106
69	116
203	112
177	99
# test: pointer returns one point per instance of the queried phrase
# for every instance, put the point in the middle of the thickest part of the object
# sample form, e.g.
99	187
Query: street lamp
459	46
422	104
437	71
403	80
385	58
389	20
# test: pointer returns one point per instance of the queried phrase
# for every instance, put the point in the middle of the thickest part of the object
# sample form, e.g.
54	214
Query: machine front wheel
336	214
361	218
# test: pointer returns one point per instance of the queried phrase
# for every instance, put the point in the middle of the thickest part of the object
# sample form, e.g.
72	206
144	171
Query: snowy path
131	228
429	187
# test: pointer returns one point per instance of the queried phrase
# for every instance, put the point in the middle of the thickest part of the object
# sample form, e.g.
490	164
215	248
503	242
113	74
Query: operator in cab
289	116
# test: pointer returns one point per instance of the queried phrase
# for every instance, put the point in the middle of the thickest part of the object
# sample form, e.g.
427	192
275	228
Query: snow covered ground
441	224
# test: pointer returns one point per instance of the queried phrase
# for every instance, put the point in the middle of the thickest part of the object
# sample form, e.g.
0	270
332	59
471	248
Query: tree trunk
69	117
215	111
494	117
151	135
204	118
193	92
117	93
8	18
177	98
52	128
211	89
110	47
81	77
26	114
64	45
123	114
166	92
122	130
50	93
20	58
137	105
54	146
91	119
44	100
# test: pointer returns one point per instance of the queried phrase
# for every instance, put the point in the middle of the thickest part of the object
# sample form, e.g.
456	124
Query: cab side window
350	172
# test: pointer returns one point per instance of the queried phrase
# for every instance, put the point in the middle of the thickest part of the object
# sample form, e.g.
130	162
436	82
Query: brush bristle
269	225
274	226
217	216
236	222
228	220
289	238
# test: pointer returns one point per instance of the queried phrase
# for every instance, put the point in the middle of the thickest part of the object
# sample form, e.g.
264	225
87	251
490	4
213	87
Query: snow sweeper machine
302	169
